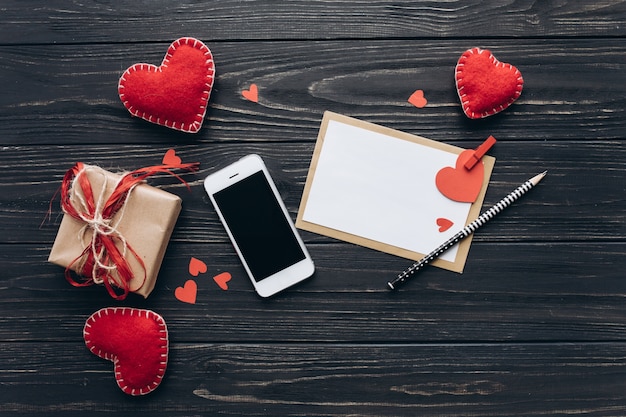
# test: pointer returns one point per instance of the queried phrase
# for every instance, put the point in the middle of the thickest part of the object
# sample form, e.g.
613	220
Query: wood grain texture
556	211
94	21
339	380
536	324
63	94
522	295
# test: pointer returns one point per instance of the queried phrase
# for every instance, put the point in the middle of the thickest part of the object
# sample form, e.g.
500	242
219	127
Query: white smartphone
258	224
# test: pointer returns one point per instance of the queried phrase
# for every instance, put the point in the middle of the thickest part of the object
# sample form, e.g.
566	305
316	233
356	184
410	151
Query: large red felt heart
175	94
460	184
485	85
135	340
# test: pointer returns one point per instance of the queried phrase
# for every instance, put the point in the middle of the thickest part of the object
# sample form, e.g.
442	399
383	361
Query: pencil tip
535	180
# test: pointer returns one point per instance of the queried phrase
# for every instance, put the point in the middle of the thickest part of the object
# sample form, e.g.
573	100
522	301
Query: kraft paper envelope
375	187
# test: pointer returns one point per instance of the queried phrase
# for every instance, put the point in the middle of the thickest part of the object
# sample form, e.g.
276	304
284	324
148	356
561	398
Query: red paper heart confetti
174	94
196	267
135	340
188	293
485	85
460	184
444	224
417	99
251	94
170	158
222	280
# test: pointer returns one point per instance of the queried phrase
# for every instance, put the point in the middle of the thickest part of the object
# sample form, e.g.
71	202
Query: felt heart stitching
460	184
174	94
485	85
135	340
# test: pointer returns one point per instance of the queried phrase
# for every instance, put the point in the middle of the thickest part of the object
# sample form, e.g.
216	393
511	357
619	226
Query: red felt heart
174	94
461	184
135	340
485	85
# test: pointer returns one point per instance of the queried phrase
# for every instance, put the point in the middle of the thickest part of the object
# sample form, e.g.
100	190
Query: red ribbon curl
102	260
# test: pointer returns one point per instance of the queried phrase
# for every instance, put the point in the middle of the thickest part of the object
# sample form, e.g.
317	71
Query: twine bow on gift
105	258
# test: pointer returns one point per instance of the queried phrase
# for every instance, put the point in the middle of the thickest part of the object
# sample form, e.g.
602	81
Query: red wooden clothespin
479	152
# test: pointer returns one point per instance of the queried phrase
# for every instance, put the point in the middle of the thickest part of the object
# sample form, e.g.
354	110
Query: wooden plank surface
62	94
94	21
517	298
535	326
557	211
339	380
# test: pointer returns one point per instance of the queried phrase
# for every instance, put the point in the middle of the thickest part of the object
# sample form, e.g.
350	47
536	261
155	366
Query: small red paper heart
444	224
222	280
251	94
417	99
135	340
174	94
485	85
460	184
170	158
196	267
188	293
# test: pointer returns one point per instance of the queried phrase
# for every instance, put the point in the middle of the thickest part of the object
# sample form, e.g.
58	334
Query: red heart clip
485	85
460	184
135	340
175	94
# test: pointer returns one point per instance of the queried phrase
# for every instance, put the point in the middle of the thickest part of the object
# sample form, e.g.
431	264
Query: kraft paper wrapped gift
142	228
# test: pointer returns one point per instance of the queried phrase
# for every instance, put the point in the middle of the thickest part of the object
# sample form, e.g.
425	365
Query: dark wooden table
535	326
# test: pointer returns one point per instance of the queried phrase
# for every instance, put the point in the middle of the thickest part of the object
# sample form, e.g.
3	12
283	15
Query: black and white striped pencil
467	230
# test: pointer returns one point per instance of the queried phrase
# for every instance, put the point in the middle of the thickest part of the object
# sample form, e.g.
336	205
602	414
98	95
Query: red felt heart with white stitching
174	94
135	340
485	85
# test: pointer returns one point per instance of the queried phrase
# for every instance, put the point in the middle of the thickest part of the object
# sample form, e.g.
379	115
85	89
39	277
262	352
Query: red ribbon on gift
103	261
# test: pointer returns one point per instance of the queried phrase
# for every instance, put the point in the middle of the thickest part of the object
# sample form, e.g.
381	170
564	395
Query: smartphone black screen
258	225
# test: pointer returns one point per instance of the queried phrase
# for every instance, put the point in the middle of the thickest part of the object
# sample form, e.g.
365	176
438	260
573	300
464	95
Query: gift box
115	229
